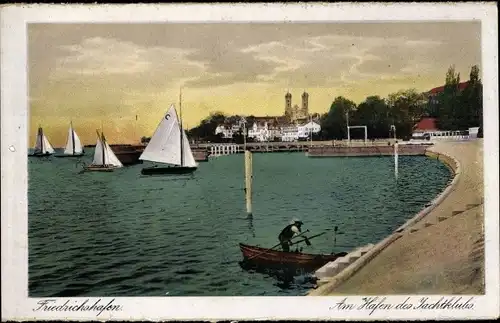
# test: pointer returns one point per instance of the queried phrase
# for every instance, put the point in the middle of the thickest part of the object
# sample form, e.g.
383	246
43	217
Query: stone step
334	267
456	212
442	218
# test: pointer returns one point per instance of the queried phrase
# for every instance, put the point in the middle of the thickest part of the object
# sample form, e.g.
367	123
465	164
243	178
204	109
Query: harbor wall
403	150
451	160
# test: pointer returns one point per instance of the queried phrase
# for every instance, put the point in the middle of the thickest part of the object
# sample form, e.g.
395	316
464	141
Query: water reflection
250	224
286	277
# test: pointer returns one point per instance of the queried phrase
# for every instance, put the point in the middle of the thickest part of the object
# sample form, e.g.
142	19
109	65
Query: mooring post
248	181
396	160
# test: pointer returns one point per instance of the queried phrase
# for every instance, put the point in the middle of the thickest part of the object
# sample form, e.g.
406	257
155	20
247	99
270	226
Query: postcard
249	161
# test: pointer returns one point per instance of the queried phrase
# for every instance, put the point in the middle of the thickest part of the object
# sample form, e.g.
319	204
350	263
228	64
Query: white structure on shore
259	132
262	131
309	128
426	130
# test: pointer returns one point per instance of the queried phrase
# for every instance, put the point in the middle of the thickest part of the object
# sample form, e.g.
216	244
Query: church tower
304	111
288	106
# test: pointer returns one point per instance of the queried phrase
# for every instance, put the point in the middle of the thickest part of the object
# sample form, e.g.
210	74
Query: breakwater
372	150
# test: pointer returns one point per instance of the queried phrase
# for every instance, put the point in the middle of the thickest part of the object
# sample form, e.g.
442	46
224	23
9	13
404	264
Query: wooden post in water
248	181
396	159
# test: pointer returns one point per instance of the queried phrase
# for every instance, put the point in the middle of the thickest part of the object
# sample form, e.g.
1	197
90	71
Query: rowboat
275	258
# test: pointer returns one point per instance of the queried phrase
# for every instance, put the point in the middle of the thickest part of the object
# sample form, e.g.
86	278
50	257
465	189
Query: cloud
226	64
331	60
108	56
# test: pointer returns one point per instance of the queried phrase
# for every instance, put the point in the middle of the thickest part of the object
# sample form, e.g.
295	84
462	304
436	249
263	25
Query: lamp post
347	125
393	129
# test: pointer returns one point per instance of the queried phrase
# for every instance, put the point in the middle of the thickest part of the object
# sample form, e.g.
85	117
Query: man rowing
288	233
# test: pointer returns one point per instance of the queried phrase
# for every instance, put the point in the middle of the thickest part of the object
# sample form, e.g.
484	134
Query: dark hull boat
40	155
263	257
67	156
99	168
168	170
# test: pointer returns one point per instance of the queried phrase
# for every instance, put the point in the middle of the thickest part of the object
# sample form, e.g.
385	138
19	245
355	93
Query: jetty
438	251
129	154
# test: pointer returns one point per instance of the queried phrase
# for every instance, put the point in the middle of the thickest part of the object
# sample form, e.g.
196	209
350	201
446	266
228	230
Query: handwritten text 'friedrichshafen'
99	306
372	304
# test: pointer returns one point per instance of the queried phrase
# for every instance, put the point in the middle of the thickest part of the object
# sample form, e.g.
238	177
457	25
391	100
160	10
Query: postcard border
14	145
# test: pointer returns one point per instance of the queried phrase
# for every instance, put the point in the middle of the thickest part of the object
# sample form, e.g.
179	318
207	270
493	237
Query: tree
406	107
206	129
471	102
449	102
373	113
333	124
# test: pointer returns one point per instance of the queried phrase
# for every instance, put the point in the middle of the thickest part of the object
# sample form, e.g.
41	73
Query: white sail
189	160
98	153
73	139
39	142
42	144
105	156
47	147
165	144
110	157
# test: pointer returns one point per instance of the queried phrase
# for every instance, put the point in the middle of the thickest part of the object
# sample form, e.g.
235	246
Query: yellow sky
106	74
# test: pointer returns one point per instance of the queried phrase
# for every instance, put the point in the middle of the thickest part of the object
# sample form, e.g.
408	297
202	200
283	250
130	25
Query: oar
306	240
279	244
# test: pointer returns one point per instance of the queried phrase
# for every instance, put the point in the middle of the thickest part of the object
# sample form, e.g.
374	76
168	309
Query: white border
14	145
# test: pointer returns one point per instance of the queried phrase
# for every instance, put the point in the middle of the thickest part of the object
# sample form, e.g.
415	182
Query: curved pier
439	251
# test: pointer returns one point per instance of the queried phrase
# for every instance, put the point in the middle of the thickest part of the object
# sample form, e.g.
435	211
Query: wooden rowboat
274	258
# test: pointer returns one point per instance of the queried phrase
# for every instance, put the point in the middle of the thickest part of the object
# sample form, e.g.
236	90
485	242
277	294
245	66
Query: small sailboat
104	158
43	148
74	146
169	145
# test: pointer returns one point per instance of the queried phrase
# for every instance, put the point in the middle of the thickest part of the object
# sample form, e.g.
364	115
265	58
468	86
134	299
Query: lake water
125	234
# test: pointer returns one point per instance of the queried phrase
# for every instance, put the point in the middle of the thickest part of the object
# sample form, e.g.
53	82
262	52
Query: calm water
124	234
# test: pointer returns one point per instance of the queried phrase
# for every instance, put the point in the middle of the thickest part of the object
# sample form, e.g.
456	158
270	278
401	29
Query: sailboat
169	145
104	158
74	146
43	148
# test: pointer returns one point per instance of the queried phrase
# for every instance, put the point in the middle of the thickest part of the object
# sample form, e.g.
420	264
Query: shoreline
381	271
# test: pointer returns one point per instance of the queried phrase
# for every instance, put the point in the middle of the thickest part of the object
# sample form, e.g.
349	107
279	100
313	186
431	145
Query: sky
104	75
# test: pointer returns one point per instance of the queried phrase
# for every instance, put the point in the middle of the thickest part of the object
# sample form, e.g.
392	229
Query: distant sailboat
74	146
104	158
43	147
169	145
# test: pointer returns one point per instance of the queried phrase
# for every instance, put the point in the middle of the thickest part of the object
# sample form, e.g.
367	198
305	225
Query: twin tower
294	113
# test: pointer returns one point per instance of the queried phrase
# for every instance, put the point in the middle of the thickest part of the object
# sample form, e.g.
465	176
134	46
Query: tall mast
103	144
41	138
72	137
182	130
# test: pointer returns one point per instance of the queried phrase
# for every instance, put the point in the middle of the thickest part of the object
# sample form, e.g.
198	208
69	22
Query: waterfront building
305	130
426	130
227	132
434	93
259	131
289	133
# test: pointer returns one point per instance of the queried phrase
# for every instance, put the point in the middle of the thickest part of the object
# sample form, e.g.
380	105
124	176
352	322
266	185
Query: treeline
454	108
205	131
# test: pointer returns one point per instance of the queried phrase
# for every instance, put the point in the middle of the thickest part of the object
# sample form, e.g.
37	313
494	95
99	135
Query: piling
248	181
396	157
